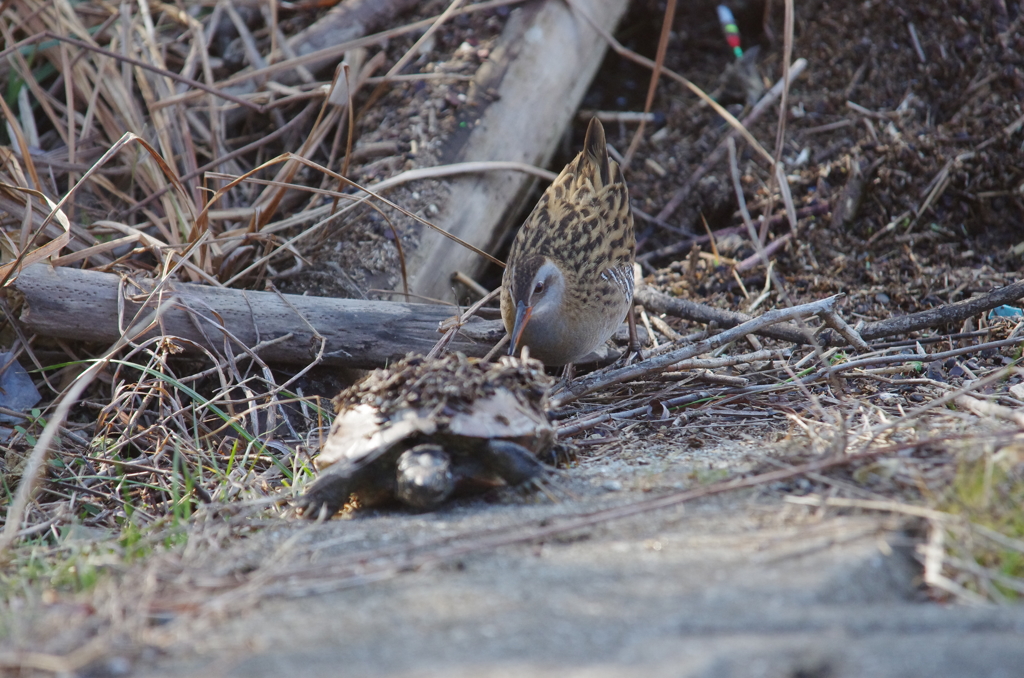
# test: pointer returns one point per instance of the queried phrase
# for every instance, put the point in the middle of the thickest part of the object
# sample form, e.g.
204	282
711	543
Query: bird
568	281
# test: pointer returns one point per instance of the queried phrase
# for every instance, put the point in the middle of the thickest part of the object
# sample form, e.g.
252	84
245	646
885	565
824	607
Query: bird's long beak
523	313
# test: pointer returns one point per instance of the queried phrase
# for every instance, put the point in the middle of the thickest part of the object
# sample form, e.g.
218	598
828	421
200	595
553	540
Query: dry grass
112	165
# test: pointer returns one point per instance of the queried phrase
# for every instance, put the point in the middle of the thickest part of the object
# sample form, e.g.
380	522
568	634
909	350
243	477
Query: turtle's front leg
327	494
337	483
512	462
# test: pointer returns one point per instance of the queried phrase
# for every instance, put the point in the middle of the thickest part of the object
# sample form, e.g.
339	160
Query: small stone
611	486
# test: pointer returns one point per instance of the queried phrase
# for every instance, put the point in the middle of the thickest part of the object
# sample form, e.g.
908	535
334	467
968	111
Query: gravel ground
736	585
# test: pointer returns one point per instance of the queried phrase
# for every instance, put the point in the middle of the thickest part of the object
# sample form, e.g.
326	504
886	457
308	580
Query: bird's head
538	288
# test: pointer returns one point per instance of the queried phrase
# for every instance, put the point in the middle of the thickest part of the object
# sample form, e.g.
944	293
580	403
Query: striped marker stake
732	32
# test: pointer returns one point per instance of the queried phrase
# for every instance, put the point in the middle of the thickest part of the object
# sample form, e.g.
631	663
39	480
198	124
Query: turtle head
424	477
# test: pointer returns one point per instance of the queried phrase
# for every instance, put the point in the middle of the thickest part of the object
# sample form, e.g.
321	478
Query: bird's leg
568	373
634	339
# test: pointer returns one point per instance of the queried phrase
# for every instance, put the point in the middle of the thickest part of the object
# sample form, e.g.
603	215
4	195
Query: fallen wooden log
82	305
521	101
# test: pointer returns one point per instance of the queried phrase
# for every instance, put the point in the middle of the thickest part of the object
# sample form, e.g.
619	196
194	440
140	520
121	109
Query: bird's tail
596	149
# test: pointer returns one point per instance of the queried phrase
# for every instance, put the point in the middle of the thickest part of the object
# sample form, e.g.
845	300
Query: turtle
425	428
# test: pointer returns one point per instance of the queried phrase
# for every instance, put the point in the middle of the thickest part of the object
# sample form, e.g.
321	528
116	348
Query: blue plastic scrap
1006	312
17	392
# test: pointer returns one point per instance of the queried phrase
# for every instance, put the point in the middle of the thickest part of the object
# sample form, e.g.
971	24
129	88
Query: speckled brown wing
583	221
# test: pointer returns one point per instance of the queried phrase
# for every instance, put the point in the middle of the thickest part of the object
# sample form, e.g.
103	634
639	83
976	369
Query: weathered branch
598	380
73	304
949	314
943	315
659	302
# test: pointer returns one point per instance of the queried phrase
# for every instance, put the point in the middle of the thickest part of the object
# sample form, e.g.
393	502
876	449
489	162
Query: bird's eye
539	287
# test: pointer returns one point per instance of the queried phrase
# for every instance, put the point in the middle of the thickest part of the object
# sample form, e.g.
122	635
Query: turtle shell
457	403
